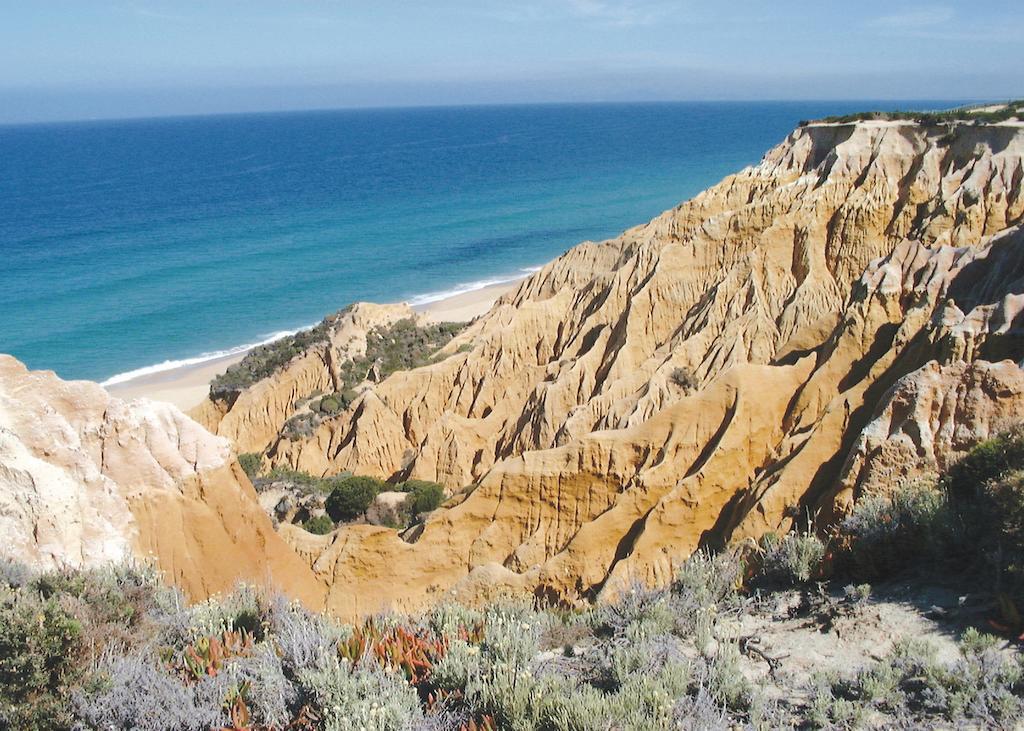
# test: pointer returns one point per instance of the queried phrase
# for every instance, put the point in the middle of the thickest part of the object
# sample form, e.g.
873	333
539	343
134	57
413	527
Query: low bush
423	497
38	642
1005	498
889	535
964	114
912	685
320	525
335	403
965	481
301	426
303	481
351	496
685	378
252	463
794	559
706	588
265	360
401	346
655	659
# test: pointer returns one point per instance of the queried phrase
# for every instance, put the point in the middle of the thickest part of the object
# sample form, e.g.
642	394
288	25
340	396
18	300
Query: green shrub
986	494
983	685
887	535
795	559
39	641
320	525
705	589
965	481
301	426
362	698
329	405
401	346
265	360
637	612
336	402
423	496
252	463
1006	499
351	496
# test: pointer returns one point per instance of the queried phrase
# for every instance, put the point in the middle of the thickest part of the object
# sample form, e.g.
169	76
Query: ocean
128	247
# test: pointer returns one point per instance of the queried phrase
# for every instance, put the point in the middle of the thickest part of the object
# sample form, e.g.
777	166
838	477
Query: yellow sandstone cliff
699	379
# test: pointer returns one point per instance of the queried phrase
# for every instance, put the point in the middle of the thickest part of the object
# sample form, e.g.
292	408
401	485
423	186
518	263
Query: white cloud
620	13
916	18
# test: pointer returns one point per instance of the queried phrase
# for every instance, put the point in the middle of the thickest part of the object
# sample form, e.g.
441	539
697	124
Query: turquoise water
140	244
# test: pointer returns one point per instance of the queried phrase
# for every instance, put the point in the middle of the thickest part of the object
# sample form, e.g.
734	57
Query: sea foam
427	298
170	365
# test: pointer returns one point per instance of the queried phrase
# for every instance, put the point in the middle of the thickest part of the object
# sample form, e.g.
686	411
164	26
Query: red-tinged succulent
207	655
412	652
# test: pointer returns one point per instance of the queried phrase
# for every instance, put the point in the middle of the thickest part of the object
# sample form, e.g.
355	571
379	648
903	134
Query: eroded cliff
699	379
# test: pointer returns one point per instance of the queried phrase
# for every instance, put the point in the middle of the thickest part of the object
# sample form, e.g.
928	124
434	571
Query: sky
85	59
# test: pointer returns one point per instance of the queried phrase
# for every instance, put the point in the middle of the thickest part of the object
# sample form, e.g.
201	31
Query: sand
187	386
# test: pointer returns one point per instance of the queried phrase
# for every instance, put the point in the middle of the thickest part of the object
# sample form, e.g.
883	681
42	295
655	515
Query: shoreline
186	386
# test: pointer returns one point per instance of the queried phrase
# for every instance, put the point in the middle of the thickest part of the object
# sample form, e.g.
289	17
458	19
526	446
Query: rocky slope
86	479
699	379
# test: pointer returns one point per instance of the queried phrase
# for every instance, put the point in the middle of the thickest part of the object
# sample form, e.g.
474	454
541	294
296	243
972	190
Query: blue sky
69	59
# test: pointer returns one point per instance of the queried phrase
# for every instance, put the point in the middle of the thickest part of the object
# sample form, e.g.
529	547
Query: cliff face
699	379
87	479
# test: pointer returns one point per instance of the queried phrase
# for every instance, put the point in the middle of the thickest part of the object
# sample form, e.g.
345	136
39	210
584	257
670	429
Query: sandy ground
186	387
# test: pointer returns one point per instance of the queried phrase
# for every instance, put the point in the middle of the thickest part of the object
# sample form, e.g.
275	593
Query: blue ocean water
137	244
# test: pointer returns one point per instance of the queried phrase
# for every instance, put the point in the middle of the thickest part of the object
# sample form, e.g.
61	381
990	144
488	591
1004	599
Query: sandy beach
187	386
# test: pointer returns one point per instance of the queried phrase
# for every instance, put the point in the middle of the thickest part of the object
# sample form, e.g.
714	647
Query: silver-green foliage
794	559
363	698
890	534
136	691
984	686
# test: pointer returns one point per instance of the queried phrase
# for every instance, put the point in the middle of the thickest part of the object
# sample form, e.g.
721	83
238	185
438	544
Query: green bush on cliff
1011	109
351	496
423	496
265	360
401	346
320	525
252	463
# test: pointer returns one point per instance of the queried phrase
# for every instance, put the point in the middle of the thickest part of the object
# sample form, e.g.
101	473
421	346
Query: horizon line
480	105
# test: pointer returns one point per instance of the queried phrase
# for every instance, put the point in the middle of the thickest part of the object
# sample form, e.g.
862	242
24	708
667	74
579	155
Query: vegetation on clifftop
1009	110
401	346
265	360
